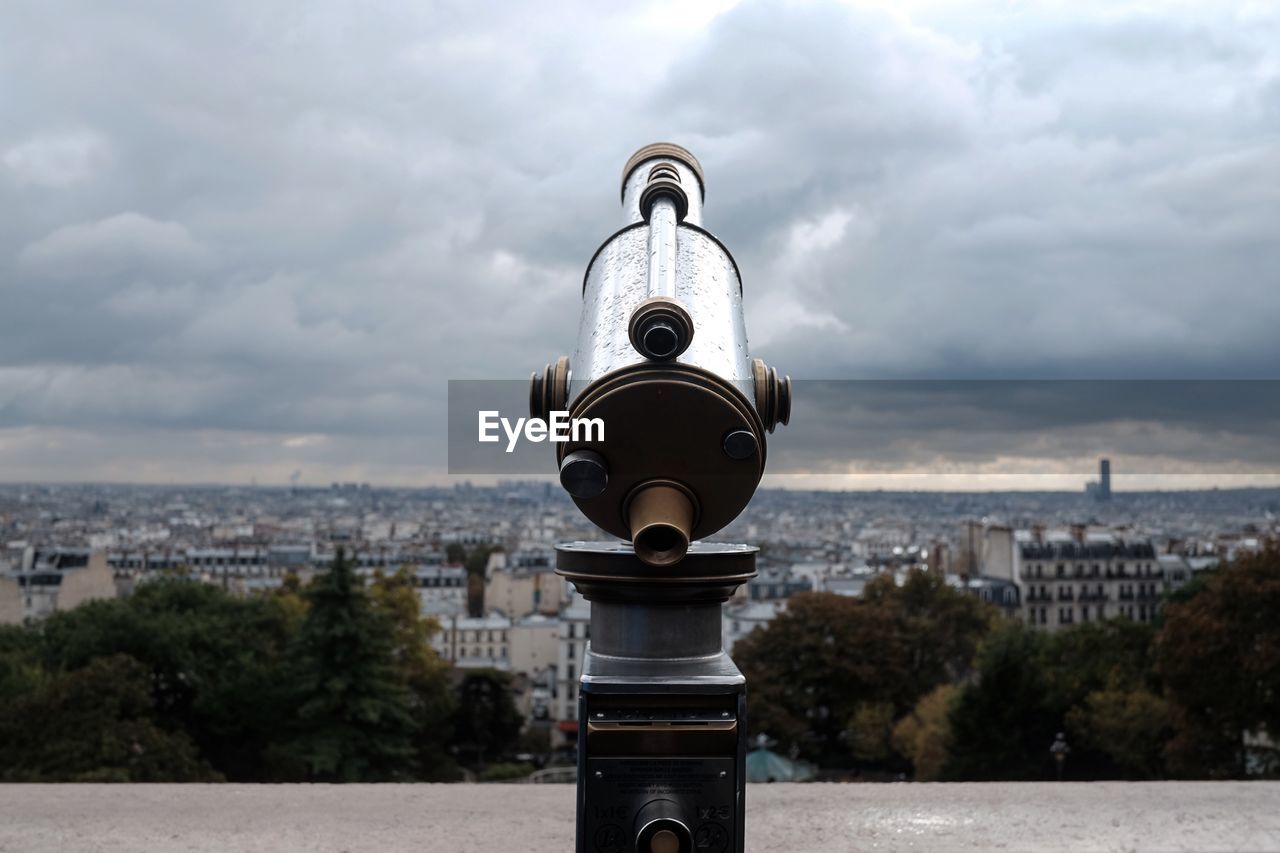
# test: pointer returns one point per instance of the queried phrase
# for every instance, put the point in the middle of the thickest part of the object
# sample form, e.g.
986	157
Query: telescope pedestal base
661	747
661	707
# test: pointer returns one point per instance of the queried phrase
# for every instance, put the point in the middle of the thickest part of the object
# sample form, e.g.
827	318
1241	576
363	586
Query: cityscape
1049	559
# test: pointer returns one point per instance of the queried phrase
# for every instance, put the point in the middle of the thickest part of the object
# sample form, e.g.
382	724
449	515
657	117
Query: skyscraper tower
1104	486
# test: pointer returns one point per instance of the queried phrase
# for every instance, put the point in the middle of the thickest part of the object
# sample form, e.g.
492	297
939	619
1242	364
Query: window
1084	613
572	646
1061	570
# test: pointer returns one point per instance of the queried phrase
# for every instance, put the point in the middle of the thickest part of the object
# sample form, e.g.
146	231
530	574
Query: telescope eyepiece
661	329
661	519
658	340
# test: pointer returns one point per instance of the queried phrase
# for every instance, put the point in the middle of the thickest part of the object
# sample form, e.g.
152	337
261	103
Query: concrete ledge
1196	816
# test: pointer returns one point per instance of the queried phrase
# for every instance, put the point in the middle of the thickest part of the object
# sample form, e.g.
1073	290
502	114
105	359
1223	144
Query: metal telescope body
662	360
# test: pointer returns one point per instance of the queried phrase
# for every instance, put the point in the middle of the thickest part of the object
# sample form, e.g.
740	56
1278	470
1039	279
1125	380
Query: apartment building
1076	578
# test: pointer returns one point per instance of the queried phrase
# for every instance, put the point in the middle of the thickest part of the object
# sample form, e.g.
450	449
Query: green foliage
823	673
941	628
421	670
95	724
216	663
1031	686
1129	726
1000	725
1096	656
355	714
486	722
869	730
193	683
20	667
923	737
1219	655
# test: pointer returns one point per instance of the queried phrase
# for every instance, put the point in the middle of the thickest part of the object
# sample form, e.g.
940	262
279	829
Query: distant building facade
442	590
470	642
1068	581
523	583
575	632
51	580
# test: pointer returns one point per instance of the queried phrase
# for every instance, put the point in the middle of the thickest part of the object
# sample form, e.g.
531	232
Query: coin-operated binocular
662	363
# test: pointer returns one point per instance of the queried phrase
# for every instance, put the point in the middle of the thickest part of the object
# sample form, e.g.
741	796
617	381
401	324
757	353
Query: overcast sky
240	240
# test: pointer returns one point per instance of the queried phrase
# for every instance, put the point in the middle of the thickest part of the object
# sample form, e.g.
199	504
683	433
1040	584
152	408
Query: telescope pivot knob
773	394
584	474
549	390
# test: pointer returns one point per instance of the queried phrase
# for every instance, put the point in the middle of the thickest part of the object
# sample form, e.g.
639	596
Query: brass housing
549	391
661	517
664	424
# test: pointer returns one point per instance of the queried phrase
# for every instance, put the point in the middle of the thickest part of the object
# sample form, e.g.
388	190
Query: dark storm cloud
288	226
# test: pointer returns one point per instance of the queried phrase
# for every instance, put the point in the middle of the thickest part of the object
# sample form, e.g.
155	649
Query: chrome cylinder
662	255
642	630
662	360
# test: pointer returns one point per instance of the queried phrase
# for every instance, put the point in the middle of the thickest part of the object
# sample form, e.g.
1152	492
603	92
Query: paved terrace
1224	816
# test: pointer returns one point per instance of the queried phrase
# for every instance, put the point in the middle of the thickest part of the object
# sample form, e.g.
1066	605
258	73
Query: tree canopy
829	676
183	681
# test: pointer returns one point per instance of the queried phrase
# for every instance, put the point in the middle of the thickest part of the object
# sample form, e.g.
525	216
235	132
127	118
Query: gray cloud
265	222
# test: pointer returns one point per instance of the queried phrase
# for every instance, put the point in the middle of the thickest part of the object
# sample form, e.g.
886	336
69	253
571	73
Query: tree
924	736
1114	654
941	626
94	724
812	665
1218	652
355	717
1091	680
869	730
1100	679
423	672
486	722
831	674
1000	725
477	561
1129	726
216	663
20	668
